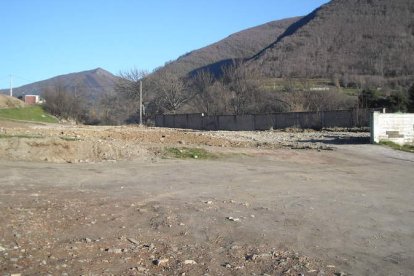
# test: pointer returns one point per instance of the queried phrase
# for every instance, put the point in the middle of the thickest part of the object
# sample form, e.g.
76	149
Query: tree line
238	90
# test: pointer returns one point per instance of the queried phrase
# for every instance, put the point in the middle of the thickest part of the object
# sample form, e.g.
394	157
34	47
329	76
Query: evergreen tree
411	99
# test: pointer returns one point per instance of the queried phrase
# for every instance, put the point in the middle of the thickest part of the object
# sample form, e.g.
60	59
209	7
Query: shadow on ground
336	140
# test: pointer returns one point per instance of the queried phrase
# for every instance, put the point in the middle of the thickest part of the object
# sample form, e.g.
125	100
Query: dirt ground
104	200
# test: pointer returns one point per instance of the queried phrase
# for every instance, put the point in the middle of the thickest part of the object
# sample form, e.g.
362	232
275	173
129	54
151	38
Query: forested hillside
346	39
244	44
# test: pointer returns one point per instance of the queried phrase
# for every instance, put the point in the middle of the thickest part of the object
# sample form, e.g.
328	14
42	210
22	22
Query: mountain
345	37
241	45
90	83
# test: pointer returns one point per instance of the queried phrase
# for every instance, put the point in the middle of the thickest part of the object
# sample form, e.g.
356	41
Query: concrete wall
315	120
397	128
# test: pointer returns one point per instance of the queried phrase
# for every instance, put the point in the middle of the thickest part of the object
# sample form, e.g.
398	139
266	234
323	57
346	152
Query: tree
206	98
63	103
129	83
398	102
410	106
128	88
244	84
169	91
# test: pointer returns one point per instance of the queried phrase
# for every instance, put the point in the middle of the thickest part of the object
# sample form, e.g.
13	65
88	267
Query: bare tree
169	91
63	103
244	84
129	83
206	96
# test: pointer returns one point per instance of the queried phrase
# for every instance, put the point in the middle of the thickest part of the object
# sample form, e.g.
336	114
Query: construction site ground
112	201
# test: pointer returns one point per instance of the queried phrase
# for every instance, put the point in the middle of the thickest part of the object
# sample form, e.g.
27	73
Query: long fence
304	120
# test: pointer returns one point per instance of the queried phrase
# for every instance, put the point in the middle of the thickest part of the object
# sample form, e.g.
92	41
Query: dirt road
268	211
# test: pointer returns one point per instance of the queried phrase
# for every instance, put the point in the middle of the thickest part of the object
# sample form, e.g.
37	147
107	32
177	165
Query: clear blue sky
44	38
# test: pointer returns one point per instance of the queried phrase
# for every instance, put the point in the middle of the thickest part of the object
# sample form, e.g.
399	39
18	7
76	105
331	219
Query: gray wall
315	120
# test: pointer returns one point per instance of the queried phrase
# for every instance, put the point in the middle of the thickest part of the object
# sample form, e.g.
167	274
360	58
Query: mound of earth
10	102
79	144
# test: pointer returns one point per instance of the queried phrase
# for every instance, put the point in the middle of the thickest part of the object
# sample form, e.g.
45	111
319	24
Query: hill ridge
94	82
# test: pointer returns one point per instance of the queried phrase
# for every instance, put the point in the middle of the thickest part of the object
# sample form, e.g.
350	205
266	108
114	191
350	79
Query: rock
160	261
142	269
340	274
208	202
132	240
190	262
321	272
139	269
150	246
2	248
265	255
233	219
251	257
114	250
88	240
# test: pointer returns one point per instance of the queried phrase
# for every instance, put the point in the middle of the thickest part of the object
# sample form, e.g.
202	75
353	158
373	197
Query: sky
40	39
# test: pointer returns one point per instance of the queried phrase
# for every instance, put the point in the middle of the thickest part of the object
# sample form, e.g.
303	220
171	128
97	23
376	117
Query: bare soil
104	200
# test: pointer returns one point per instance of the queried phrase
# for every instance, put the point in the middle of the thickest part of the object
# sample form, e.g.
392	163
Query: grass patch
407	148
32	113
29	136
189	153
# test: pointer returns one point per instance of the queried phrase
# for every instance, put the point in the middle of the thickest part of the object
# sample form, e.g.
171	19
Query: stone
233	219
132	240
251	257
160	261
142	269
190	262
114	250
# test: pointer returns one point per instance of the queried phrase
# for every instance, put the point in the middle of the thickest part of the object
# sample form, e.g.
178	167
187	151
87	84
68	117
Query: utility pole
11	86
140	102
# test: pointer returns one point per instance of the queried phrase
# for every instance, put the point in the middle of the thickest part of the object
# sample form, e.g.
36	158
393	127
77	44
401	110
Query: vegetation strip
189	153
29	136
31	113
406	148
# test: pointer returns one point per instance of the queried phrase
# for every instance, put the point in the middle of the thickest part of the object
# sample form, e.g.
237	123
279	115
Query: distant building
32	99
